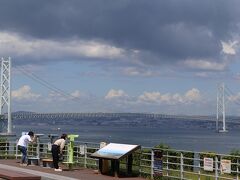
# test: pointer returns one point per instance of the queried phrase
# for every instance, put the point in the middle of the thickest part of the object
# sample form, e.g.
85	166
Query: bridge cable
47	84
230	93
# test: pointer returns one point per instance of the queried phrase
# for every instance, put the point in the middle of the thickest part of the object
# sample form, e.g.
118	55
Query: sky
122	56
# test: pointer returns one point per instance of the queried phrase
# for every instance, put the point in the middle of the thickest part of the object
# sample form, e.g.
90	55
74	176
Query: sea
180	134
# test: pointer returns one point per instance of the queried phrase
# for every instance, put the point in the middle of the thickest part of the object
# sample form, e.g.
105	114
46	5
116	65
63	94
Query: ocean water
178	134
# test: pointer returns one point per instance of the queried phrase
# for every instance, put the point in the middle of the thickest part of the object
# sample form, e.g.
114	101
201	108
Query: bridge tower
221	108
5	90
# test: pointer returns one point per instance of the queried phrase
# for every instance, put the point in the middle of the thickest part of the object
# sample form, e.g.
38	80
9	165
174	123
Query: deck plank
13	175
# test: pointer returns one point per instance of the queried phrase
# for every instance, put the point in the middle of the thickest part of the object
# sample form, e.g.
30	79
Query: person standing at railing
23	144
57	151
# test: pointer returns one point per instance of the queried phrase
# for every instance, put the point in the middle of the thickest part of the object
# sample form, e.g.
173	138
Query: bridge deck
49	173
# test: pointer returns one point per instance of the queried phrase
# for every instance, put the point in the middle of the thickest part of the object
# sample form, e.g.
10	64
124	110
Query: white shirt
24	140
61	143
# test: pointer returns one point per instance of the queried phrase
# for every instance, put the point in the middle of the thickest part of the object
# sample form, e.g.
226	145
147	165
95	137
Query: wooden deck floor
49	173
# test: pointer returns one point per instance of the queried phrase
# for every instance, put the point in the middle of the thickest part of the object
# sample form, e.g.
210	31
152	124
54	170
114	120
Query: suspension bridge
32	115
5	102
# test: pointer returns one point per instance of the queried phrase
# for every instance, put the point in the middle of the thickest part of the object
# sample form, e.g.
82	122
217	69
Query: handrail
177	164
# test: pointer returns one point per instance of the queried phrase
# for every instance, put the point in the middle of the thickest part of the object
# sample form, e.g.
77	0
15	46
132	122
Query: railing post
181	165
85	155
38	148
6	149
152	163
237	168
76	154
16	151
216	168
199	167
167	164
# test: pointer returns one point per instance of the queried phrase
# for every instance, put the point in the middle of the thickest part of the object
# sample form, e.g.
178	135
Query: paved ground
48	173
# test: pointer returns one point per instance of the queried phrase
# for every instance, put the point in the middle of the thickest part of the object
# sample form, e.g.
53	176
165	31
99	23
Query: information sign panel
115	151
82	149
208	164
226	166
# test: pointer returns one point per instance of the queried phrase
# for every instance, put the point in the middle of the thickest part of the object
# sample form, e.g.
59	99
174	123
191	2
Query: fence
153	163
180	164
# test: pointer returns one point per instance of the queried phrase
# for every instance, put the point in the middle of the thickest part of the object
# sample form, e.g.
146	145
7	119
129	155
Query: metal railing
180	164
172	164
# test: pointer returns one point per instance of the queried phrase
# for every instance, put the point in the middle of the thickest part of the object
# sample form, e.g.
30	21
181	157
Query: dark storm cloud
168	30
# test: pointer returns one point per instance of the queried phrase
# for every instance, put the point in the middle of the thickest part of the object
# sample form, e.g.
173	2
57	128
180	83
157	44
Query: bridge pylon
221	108
5	91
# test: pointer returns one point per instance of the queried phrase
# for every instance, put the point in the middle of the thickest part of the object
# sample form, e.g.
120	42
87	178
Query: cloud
193	30
25	93
193	95
208	65
202	74
116	100
75	96
76	93
234	98
115	94
190	96
15	45
136	71
229	48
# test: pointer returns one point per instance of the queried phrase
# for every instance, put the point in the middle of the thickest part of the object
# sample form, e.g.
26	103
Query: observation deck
49	173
